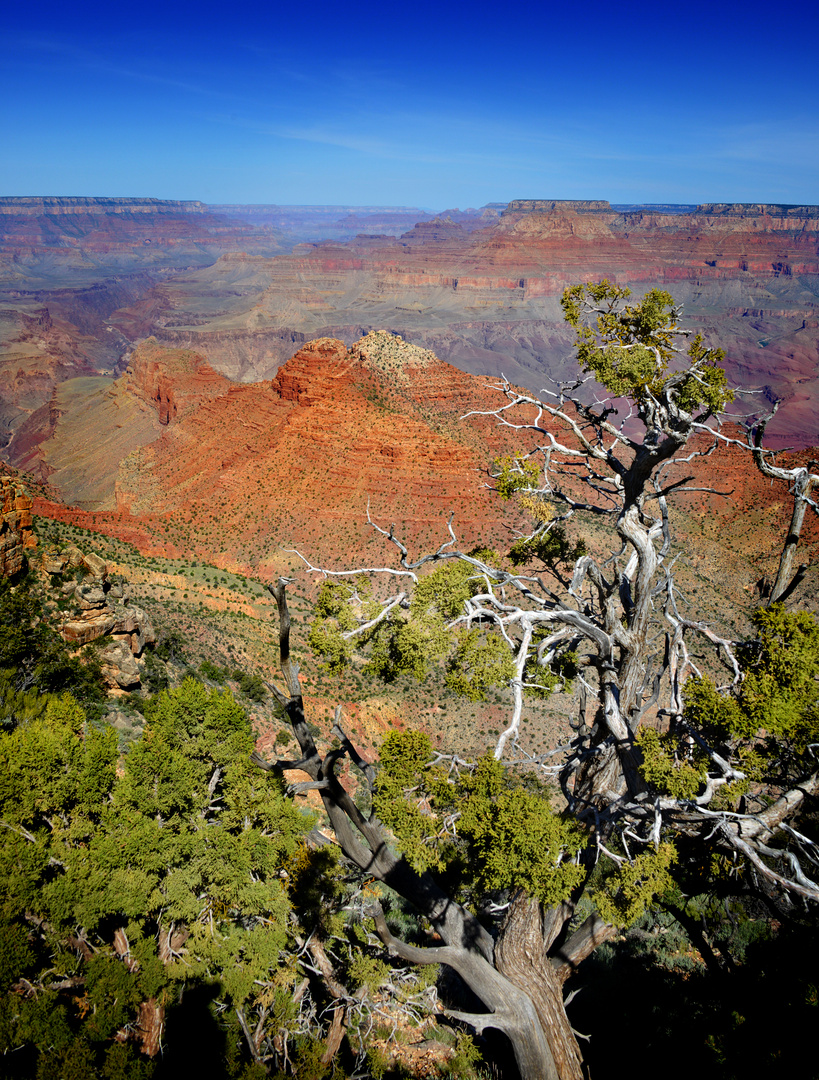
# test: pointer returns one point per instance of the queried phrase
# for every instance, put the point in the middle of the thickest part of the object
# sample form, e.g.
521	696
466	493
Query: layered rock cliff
63	204
16	527
487	299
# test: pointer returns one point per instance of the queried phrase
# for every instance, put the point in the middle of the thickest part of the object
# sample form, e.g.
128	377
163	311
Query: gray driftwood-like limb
468	947
802	483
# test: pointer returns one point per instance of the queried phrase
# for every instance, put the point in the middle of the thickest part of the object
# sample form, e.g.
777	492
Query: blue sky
421	104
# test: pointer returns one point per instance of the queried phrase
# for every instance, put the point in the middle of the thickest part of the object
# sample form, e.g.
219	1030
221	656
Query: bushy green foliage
407	645
334	615
187	844
480	661
550	546
778	698
326	641
630	889
508	837
415	640
630	349
404	760
368	971
661	769
444	592
516	841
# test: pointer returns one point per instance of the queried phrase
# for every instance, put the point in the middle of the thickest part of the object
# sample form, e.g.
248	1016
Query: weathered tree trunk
801	493
521	955
468	947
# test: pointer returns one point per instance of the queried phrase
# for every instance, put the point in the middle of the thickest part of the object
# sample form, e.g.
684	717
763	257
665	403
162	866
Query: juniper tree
659	760
121	889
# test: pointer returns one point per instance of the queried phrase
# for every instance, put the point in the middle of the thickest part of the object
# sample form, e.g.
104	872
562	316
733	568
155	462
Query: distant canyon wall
64	204
83	280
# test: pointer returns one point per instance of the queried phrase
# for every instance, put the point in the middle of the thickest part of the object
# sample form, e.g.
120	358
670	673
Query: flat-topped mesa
69	204
799	210
545	206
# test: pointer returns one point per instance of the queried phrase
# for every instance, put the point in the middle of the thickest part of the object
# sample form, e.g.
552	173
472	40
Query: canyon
487	298
83	280
202	379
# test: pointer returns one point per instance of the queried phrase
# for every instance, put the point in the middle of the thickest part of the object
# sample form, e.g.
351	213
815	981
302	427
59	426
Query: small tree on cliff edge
661	763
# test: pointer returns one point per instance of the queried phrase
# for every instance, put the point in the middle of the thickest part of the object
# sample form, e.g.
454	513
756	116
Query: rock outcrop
16	526
101	609
172	381
242	475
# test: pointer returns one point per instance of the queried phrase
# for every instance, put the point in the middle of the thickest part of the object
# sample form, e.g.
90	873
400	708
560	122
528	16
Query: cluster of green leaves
629	889
775	708
515	473
542	681
334	616
480	661
508	835
186	843
665	769
550	546
630	347
765	726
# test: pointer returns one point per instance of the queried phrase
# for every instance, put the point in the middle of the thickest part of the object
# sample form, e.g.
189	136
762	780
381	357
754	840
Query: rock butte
241	474
242	470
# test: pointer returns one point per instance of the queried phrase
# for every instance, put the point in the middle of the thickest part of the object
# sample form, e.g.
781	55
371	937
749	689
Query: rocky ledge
16	532
99	608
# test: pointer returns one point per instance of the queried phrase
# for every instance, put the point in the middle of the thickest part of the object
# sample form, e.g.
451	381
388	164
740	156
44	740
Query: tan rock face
16	527
119	667
101	608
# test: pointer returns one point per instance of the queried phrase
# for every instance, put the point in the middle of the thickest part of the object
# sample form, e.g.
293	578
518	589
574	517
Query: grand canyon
196	401
134	329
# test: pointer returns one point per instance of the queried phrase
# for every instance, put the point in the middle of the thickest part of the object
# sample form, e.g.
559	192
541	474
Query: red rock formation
172	380
245	470
16	528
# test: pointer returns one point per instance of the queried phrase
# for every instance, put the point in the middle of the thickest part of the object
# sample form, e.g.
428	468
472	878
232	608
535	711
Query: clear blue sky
425	104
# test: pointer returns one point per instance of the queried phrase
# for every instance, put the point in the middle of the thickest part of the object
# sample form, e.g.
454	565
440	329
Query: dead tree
621	615
802	483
